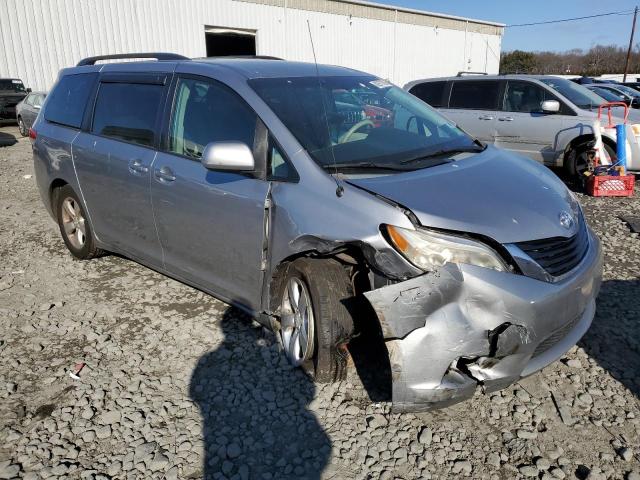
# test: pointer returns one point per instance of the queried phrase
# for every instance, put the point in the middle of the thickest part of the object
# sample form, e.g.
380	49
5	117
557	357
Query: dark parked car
27	111
634	85
12	91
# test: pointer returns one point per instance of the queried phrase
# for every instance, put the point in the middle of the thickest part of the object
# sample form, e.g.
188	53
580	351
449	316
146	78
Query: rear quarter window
68	100
475	94
431	93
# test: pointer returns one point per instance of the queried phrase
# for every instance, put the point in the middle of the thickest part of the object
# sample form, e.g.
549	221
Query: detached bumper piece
464	328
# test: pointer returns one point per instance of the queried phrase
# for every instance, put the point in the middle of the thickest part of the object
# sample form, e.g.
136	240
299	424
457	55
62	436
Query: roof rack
119	56
462	74
246	57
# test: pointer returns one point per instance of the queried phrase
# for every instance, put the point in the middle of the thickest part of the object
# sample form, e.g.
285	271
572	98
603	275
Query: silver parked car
27	111
277	187
549	119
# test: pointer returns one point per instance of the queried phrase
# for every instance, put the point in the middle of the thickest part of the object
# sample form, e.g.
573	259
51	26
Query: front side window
475	94
608	95
524	97
347	122
127	111
580	96
205	112
68	99
431	93
278	167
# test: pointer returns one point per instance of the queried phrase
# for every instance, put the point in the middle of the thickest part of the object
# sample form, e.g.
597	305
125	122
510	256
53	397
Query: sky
613	30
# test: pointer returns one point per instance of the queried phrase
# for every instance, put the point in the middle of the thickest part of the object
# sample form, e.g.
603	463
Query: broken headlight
427	249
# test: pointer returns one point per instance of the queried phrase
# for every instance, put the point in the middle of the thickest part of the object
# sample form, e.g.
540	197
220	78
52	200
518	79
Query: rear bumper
451	331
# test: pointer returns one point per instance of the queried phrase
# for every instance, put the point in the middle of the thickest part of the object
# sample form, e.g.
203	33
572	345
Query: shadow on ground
254	409
7	139
613	337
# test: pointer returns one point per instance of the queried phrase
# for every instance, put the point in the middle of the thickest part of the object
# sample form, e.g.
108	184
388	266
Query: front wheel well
579	141
349	256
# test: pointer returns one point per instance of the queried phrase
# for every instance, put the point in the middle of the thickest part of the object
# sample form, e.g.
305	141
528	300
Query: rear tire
22	127
330	325
74	224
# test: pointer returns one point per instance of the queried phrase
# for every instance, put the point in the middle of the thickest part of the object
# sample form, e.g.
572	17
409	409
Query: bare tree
598	60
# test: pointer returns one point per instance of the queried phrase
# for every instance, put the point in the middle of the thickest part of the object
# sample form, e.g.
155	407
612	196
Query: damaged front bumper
462	327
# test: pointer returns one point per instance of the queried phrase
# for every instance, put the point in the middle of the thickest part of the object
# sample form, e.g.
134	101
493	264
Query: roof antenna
339	187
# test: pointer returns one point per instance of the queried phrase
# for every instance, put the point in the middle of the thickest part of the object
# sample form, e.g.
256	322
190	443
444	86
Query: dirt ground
179	385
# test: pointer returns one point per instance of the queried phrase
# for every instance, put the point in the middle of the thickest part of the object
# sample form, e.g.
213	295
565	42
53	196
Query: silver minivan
329	204
549	119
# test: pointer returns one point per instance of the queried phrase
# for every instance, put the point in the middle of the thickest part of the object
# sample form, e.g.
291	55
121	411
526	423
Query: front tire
74	225
315	324
577	162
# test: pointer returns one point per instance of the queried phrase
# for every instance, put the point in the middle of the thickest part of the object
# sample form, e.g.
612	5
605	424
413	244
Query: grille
558	255
555	337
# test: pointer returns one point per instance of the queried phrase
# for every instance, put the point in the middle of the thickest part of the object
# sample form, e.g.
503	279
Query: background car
608	95
546	118
12	91
27	111
631	96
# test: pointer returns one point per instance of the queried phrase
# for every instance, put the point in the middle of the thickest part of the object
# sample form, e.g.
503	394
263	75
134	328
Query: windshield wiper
363	166
444	151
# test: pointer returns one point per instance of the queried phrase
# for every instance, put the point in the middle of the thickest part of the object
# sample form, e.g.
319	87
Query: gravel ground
180	385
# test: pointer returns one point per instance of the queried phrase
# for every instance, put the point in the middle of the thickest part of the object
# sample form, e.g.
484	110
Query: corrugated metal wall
39	37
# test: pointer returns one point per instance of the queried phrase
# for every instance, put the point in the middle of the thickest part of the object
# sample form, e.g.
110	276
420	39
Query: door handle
164	174
486	117
136	166
506	119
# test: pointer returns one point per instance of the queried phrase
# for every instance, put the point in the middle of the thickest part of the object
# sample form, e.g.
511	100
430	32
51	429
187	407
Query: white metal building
38	37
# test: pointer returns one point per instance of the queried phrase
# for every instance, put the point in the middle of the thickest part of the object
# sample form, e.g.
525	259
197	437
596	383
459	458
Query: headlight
427	249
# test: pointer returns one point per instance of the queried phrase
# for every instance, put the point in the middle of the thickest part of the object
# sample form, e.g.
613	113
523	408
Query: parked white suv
546	118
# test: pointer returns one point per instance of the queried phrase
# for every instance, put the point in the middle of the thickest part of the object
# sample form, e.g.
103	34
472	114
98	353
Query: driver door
210	223
523	127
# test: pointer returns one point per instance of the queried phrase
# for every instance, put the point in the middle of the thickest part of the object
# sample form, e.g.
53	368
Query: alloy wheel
74	223
296	323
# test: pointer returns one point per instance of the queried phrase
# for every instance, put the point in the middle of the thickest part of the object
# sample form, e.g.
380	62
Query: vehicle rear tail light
32	134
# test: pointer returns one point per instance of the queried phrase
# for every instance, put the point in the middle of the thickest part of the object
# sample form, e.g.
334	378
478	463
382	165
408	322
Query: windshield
14	86
580	96
364	122
608	95
627	90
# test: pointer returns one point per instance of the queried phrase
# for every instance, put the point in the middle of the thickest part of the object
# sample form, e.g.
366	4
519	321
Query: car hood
617	113
504	196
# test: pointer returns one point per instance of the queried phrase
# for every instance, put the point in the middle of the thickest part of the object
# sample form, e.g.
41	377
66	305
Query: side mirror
551	106
29	90
231	156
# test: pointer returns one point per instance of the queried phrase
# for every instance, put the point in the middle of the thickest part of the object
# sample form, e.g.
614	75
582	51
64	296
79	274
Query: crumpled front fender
452	330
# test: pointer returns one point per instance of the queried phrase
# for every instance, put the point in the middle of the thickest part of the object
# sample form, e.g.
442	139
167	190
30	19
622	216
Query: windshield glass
608	95
361	121
580	96
14	86
627	90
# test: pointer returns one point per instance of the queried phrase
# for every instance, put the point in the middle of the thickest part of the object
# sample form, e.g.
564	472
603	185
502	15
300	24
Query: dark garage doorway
225	42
